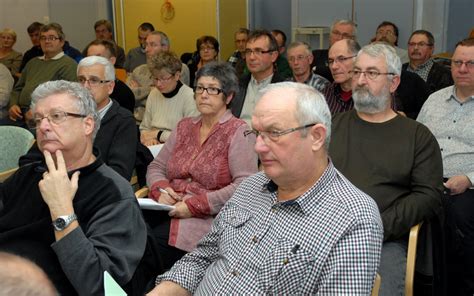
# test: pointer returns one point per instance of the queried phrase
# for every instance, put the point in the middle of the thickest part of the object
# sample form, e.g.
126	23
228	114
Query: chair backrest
14	142
411	259
376	287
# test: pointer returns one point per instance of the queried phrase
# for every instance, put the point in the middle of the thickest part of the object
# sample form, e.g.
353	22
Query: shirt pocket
285	268
233	219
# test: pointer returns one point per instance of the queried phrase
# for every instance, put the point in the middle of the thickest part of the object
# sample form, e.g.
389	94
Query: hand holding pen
168	196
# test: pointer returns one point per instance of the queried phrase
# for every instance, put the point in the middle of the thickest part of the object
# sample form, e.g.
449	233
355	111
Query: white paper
155	149
150	204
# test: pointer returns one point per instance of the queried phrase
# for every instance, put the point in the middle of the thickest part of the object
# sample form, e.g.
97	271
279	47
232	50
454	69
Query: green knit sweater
38	71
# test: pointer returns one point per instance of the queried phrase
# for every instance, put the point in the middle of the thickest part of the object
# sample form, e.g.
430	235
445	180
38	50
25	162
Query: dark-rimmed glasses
275	135
210	90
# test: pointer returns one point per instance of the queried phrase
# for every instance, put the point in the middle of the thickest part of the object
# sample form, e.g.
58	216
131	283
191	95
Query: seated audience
340	29
208	49
448	114
300	58
117	135
141	80
35	51
6	85
104	31
393	159
201	164
168	102
8	56
341	61
420	51
21	277
261	52
237	59
299	227
121	93
70	213
53	65
282	63
136	56
388	32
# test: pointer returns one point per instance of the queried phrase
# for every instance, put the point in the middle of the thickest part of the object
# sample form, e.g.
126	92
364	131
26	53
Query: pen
162	190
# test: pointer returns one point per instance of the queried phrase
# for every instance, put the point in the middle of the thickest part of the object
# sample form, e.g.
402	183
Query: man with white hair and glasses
298	227
393	159
69	212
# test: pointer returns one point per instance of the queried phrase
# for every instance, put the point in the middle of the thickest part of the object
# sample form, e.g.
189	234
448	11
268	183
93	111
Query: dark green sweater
38	71
398	163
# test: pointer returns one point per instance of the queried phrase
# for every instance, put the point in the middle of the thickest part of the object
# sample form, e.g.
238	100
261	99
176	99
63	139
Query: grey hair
306	46
224	73
311	106
386	51
96	60
85	103
345	22
164	40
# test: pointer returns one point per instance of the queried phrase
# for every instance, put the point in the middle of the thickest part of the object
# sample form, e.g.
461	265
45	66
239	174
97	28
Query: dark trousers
460	242
159	222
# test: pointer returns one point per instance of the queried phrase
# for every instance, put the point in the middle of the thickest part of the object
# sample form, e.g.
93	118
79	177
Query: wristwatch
63	221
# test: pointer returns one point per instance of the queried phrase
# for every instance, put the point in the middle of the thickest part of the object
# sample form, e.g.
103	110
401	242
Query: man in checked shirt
299	227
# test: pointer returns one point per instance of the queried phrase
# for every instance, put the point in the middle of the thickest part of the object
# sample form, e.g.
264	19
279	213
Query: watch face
60	223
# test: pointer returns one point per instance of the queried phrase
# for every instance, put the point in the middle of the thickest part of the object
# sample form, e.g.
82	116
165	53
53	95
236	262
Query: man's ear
89	125
111	87
318	134
394	84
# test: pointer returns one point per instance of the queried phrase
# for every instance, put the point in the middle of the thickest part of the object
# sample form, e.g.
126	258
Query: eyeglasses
383	32
371	74
210	90
343	35
419	44
93	81
275	135
257	52
49	38
55	117
339	59
459	63
204	48
162	80
297	58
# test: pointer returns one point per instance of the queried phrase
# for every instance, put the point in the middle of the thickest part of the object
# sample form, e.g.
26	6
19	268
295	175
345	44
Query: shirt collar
426	64
453	96
56	57
308	200
225	117
104	110
263	82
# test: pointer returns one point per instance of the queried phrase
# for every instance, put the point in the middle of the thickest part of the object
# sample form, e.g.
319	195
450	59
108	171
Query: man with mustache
393	159
420	51
388	32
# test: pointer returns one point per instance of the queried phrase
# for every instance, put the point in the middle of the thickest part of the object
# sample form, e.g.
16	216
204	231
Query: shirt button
274	210
441	149
454	121
255	239
449	138
235	273
189	180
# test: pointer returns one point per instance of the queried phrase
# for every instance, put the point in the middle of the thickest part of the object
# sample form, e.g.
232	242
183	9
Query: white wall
76	16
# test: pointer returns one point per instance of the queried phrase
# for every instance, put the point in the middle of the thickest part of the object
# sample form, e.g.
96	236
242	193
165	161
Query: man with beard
393	159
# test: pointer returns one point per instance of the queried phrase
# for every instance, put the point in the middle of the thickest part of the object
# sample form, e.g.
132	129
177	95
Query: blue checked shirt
327	241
